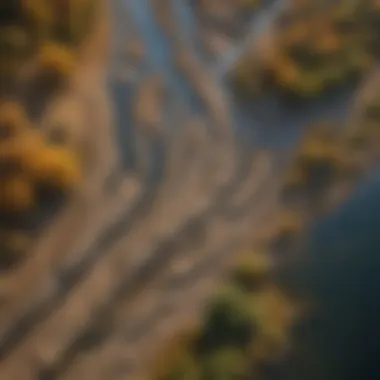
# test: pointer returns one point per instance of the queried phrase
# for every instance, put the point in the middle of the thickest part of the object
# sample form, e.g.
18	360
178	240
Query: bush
225	364
252	271
56	63
27	165
55	168
70	20
187	368
316	50
10	159
39	16
13	120
319	162
16	195
274	315
229	321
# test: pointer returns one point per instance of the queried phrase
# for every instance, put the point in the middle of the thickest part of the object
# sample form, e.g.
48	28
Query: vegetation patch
314	48
40	41
244	328
34	175
27	26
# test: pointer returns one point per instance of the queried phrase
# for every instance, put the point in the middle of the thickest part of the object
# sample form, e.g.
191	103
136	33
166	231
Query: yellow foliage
56	62
30	143
275	314
27	161
21	150
252	270
297	33
39	11
56	167
16	194
12	118
316	151
328	42
255	263
309	85
285	71
328	45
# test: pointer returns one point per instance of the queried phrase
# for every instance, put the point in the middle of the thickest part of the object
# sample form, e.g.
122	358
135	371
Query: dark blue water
340	270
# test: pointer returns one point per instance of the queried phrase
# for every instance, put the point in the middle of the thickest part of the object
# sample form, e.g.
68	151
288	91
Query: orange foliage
56	62
328	42
12	118
55	167
284	69
16	194
26	161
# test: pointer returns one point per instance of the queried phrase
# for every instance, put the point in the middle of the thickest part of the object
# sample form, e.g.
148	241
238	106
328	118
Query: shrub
55	167
16	195
187	368
252	271
39	16
225	364
56	64
13	120
319	162
10	159
27	164
274	315
229	321
317	49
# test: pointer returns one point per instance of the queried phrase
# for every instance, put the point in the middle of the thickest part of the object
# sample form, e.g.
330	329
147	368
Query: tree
228	321
225	364
186	369
252	271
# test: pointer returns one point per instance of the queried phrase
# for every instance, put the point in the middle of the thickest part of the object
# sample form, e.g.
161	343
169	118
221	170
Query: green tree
225	364
187	369
229	321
